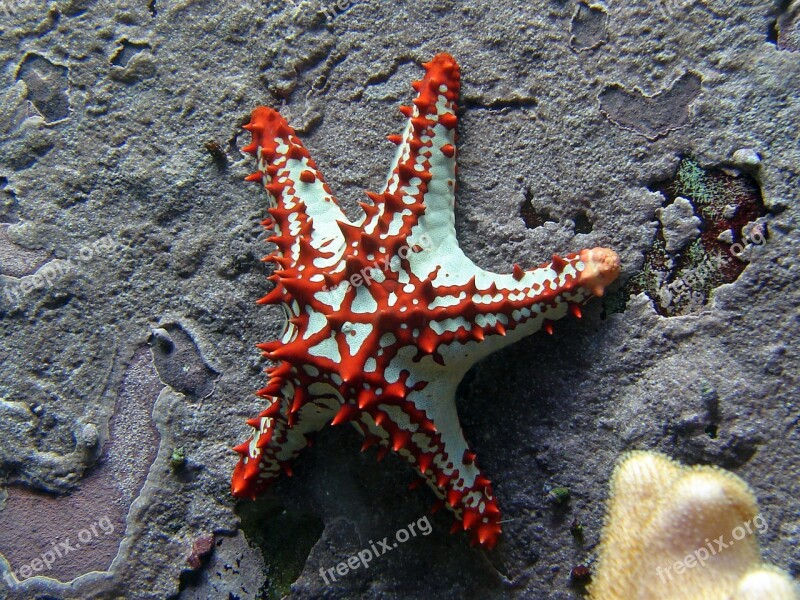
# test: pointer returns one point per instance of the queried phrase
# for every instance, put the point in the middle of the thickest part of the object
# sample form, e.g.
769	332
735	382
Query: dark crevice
151	6
476	102
57	300
126	51
773	30
285	535
8	203
47	85
710	399
533	217
582	223
233	142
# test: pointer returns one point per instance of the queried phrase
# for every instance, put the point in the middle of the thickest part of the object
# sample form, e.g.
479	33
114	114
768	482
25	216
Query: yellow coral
682	533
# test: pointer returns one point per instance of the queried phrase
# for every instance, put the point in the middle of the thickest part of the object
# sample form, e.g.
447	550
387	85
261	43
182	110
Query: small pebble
580	574
162	340
726	236
746	157
89	435
178	459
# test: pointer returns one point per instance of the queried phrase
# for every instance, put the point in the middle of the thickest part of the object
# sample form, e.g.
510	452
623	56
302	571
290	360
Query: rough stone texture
787	28
652	115
134	91
680	225
91	519
234	570
18	261
589	27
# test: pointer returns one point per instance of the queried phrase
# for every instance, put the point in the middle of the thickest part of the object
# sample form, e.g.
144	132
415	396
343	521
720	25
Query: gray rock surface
105	112
680	225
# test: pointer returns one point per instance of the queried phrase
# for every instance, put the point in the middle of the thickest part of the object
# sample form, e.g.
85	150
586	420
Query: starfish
385	315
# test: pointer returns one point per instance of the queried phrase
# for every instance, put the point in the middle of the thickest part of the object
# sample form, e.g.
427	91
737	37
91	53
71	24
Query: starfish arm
280	433
462	313
416	204
302	205
423	428
498	310
453	473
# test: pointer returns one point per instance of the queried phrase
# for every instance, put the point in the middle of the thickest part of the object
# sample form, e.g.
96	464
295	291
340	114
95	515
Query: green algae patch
729	208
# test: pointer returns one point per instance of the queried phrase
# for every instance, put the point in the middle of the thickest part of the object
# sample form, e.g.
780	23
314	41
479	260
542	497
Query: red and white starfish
386	315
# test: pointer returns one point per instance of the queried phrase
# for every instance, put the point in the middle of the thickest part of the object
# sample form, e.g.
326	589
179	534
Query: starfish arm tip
601	269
